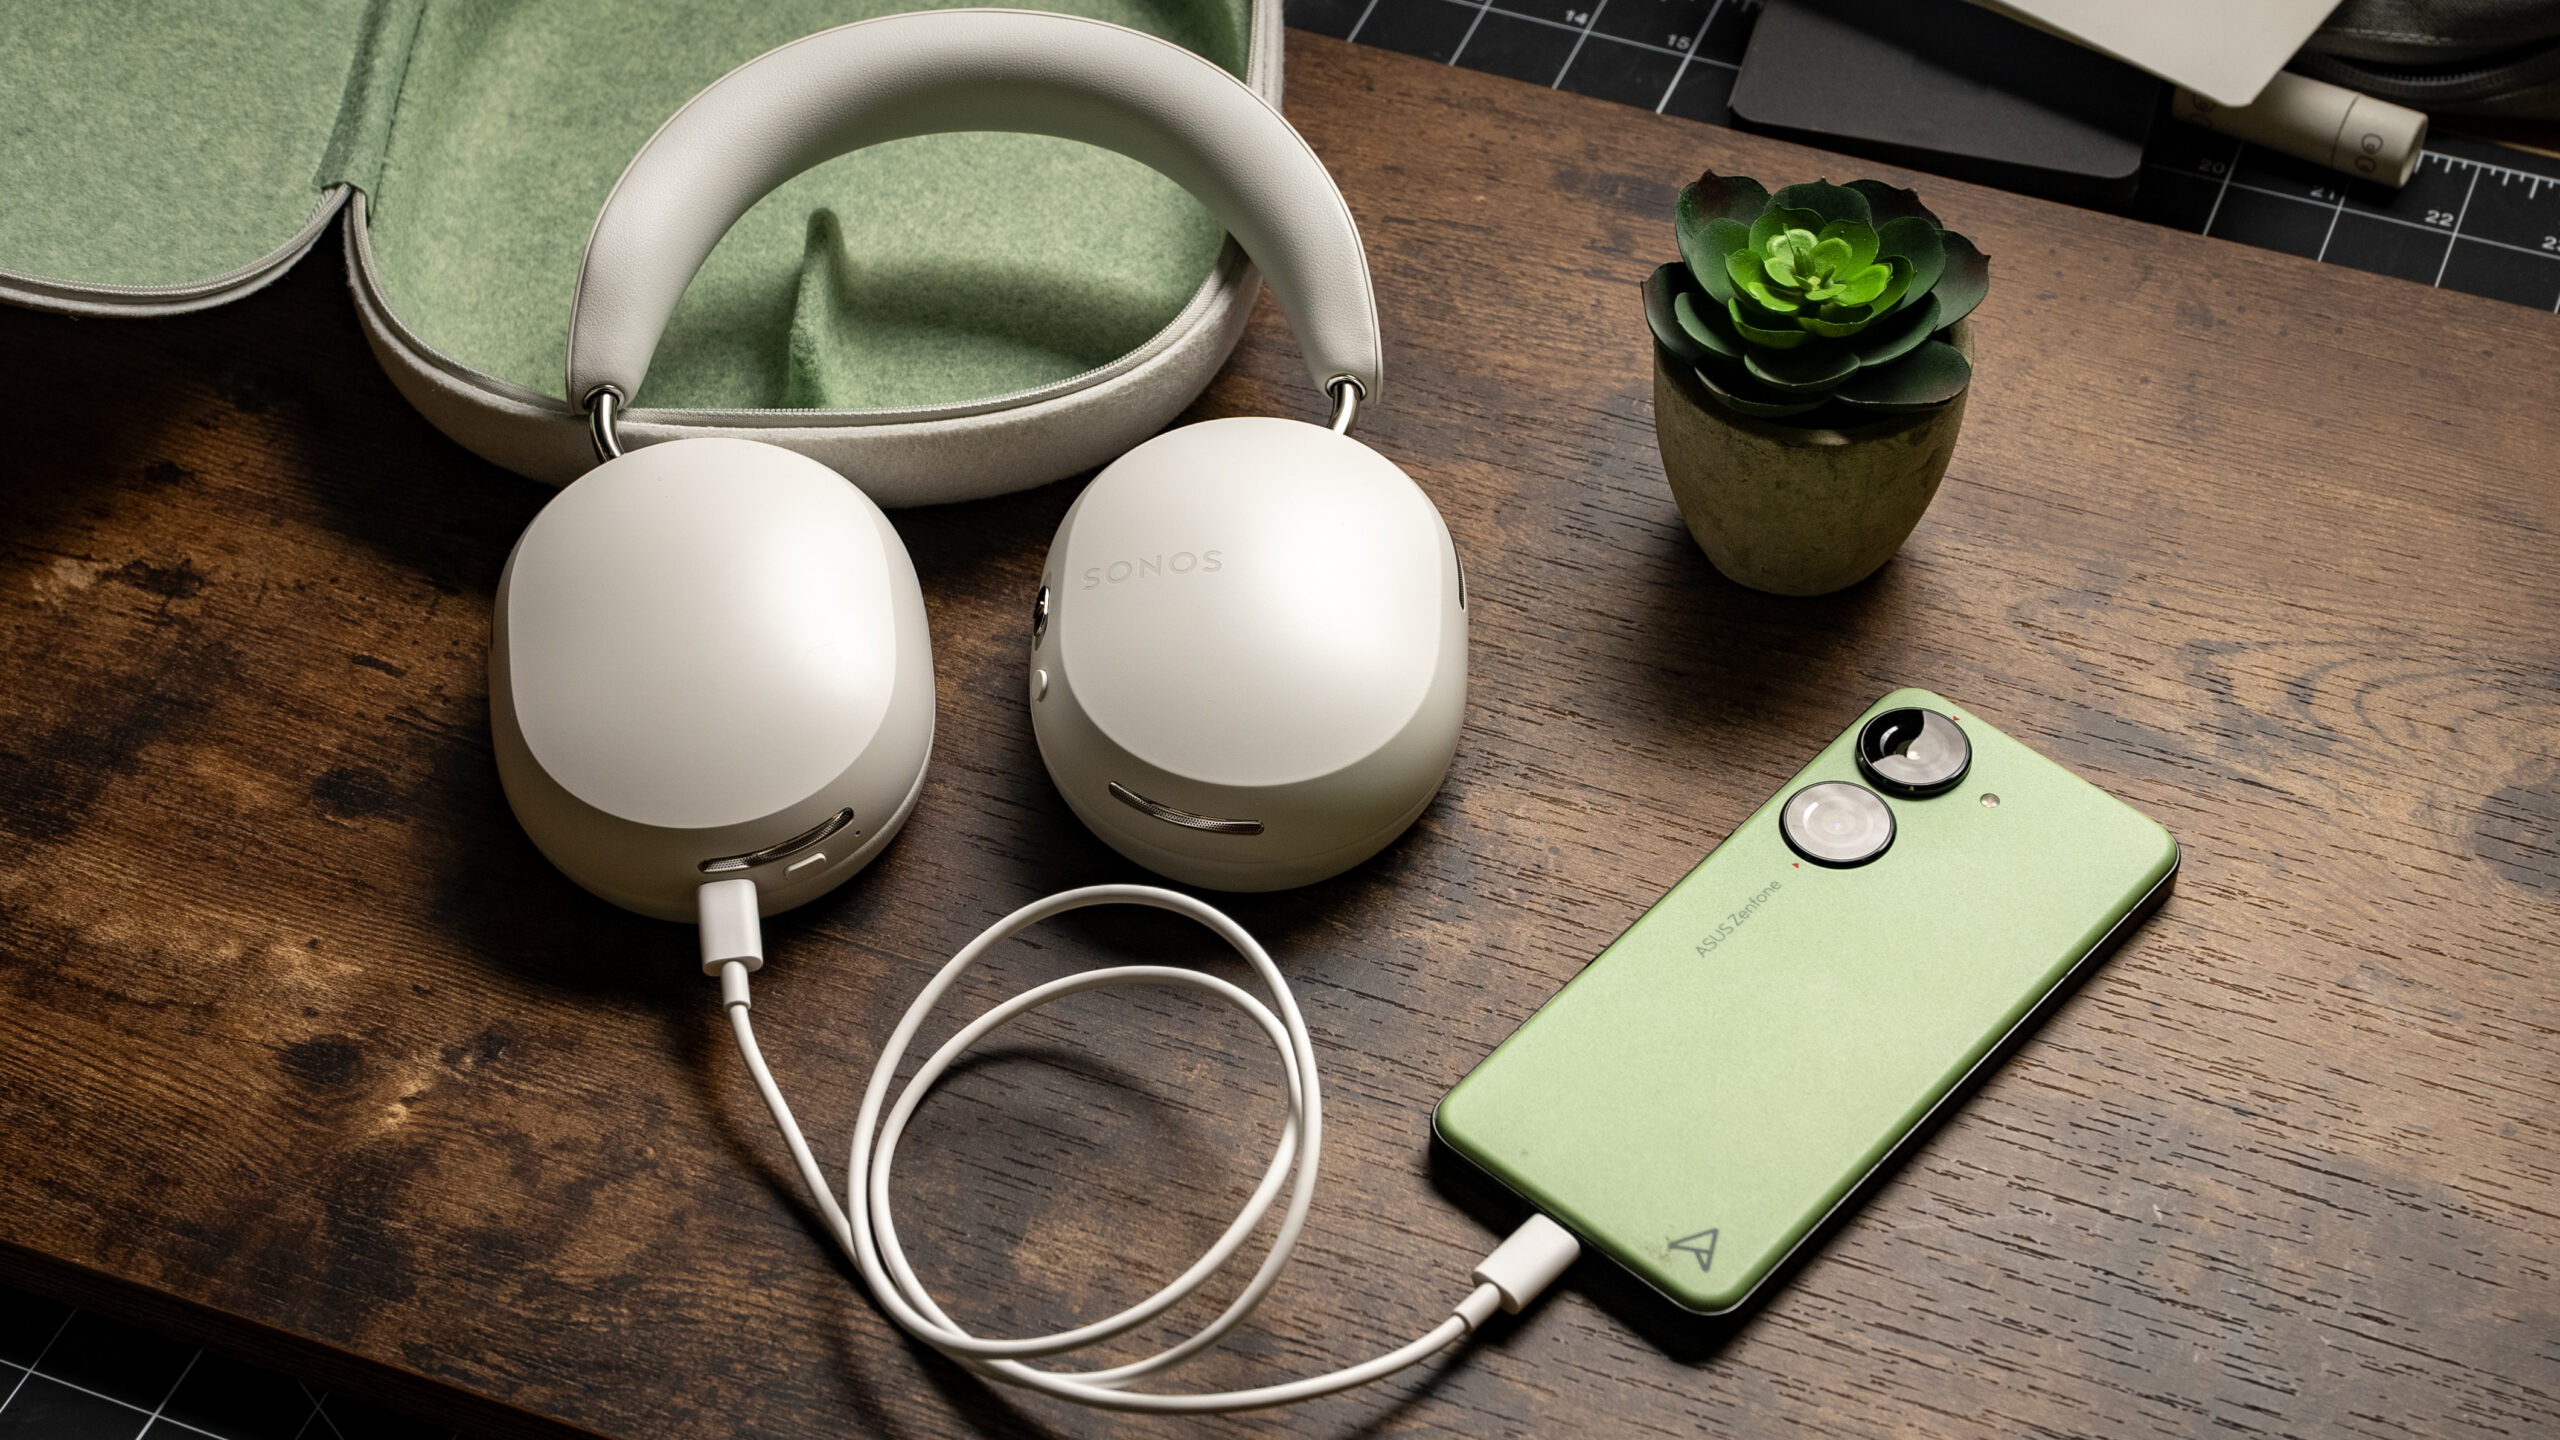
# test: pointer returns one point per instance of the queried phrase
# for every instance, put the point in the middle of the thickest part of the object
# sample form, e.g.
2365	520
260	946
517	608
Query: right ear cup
1254	662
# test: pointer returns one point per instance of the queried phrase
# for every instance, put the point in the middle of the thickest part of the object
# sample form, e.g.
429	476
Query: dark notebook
1951	88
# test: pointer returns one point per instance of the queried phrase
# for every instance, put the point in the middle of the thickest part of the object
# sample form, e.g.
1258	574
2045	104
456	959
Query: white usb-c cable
733	945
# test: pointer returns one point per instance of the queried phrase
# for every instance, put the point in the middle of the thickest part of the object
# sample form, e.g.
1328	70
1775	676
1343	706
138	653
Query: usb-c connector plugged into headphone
733	946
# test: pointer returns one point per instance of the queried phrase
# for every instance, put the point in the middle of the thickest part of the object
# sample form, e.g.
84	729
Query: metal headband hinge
604	413
1346	393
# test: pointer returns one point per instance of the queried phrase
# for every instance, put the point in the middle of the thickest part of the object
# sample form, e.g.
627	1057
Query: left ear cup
708	661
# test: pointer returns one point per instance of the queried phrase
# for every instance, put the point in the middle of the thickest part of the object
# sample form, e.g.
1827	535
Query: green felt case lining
160	144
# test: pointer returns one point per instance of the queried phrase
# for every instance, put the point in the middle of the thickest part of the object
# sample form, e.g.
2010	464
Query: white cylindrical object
1528	1262
2319	122
726	912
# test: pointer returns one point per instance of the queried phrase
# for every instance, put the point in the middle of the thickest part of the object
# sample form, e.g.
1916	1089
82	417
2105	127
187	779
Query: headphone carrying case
938	318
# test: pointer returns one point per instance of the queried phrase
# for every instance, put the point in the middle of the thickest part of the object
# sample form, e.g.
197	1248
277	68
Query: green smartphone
1775	1031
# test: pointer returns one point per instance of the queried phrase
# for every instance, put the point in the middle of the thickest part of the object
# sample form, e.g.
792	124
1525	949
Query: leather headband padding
942	71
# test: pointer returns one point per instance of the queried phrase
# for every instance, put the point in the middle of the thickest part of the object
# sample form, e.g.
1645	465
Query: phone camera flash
1990	801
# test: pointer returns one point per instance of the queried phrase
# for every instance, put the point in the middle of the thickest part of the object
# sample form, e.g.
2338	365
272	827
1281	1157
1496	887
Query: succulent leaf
1928	377
1738	198
1863	287
1725	236
1916	240
1778	220
1706	327
1885	202
1739	392
1768	225
1698	252
1838	322
1861	240
1964	282
1710	198
1661	314
1741	272
1776	334
1894	289
1898	334
1769	299
1815	368
1831	202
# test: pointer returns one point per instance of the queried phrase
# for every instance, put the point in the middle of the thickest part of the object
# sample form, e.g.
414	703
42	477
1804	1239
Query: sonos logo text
1150	567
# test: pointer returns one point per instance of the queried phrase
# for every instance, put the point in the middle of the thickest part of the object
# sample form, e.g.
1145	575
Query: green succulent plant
1820	298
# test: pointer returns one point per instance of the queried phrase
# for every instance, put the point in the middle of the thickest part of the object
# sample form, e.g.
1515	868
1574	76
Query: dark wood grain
305	1052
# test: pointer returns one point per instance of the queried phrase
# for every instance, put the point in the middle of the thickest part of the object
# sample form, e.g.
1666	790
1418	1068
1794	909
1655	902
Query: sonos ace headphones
709	657
712	690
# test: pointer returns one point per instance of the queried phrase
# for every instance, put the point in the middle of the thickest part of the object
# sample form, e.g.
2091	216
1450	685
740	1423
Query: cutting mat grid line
70	1375
2477	217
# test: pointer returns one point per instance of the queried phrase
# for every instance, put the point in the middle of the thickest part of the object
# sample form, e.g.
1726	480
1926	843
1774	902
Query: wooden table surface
305	1053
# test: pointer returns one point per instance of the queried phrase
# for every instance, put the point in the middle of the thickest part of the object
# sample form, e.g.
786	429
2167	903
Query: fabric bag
939	319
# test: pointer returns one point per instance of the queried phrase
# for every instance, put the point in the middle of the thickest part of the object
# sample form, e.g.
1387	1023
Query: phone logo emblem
1702	1245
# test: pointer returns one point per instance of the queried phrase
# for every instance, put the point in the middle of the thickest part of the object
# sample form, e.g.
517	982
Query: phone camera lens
1837	823
1914	753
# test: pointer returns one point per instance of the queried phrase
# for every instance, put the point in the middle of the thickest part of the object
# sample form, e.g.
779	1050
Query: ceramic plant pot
1792	509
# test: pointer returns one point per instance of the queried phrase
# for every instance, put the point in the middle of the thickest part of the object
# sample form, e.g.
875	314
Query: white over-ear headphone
712	690
1249	649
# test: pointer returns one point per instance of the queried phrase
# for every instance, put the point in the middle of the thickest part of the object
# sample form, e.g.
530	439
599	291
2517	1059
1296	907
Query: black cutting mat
2477	217
1675	57
70	1375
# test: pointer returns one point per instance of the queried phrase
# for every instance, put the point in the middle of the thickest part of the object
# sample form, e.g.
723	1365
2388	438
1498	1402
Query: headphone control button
1040	615
1039	685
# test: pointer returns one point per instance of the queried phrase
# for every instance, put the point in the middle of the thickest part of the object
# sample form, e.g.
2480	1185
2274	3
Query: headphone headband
936	72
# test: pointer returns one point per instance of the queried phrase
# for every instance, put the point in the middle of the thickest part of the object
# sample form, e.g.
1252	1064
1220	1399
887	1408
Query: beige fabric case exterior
925	456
